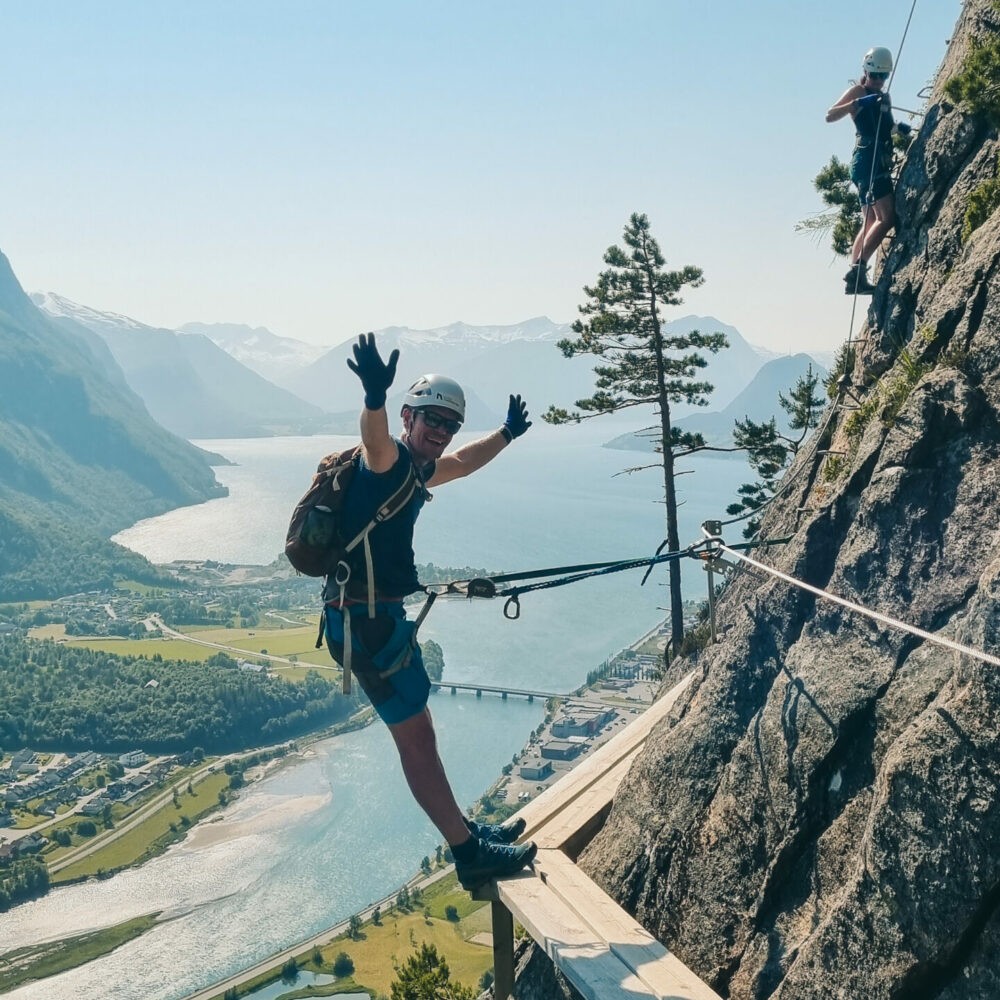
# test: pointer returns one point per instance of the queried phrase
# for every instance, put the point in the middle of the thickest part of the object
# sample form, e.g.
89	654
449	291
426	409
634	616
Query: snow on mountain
258	348
57	305
189	384
539	328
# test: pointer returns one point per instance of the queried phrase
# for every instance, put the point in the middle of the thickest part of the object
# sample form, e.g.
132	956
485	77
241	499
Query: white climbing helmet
877	60
436	390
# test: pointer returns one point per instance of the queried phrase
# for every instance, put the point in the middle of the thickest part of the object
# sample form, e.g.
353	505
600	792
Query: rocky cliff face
821	818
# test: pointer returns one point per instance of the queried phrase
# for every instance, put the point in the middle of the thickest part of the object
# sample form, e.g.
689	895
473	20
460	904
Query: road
157	622
143	812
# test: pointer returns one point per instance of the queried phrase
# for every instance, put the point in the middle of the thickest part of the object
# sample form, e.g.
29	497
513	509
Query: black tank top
866	121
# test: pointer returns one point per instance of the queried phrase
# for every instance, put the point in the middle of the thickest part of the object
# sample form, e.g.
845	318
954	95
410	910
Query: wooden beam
574	826
657	967
558	928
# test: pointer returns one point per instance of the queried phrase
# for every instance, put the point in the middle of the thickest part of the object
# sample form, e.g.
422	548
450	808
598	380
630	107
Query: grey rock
820	816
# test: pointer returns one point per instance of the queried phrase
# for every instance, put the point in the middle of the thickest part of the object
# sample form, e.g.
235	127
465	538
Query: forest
71	699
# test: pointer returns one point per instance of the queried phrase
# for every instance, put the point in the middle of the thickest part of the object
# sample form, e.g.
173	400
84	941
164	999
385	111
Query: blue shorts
871	174
379	644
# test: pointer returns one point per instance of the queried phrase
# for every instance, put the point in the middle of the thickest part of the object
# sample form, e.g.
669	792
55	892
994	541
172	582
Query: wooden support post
503	951
711	600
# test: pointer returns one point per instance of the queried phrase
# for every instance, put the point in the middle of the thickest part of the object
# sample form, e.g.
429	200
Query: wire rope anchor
712	557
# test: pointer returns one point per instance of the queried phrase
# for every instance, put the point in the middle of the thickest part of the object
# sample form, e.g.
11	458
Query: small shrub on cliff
889	396
983	202
976	89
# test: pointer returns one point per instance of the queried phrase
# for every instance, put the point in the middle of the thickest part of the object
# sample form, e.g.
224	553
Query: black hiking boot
856	281
493	861
497	833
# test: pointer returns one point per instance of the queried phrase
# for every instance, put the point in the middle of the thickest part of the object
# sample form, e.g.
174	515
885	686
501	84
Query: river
323	836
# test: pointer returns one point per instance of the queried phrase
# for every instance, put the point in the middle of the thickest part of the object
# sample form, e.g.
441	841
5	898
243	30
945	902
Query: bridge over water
495	689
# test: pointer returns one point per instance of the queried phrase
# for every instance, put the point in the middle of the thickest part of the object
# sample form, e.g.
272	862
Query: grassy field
298	641
379	949
150	835
52	957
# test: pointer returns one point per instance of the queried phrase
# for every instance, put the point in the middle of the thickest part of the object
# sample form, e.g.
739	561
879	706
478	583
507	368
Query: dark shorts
378	644
871	188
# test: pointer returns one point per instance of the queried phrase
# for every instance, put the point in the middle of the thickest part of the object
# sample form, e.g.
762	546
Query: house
560	749
96	805
133	758
535	769
583	719
31	844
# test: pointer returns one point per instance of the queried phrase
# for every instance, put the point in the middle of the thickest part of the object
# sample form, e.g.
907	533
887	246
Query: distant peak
59	305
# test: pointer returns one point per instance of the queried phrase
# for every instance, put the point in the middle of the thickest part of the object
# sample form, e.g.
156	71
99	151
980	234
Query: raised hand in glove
375	374
903	129
517	421
868	101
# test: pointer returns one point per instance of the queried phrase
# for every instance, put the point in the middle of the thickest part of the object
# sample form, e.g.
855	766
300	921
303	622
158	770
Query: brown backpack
315	544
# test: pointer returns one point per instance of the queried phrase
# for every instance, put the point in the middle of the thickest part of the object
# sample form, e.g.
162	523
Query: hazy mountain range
231	380
758	401
189	384
80	456
489	361
95	406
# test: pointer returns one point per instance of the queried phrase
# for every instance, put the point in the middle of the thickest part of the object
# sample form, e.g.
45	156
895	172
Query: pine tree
842	218
769	451
425	976
623	326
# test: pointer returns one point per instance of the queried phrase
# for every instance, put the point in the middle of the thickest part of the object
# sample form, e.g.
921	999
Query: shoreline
215	829
328	935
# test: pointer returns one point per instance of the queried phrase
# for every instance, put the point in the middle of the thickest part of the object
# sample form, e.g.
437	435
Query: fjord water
324	836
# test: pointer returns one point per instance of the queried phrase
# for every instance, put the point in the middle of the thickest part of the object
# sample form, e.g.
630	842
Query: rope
512	609
957	647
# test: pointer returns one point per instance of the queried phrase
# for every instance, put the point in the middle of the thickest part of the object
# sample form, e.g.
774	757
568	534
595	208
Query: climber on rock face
371	623
871	165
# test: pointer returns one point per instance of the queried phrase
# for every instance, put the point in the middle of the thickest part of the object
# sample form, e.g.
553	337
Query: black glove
376	376
517	421
869	100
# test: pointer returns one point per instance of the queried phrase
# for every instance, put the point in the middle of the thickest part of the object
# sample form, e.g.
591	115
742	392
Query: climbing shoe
493	861
497	833
856	281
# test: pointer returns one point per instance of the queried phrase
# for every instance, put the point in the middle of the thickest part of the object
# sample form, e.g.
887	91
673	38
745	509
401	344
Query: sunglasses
435	420
878	76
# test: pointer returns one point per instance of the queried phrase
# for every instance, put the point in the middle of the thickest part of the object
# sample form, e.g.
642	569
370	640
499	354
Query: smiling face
428	443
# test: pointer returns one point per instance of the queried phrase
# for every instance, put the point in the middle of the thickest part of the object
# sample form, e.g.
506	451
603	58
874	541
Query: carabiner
514	604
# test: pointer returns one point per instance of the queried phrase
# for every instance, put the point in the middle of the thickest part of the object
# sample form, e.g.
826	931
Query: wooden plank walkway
600	949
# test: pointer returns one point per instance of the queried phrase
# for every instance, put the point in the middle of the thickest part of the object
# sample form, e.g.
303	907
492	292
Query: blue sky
326	168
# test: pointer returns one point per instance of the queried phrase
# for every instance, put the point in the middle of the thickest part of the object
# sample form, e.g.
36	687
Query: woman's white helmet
877	60
436	390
